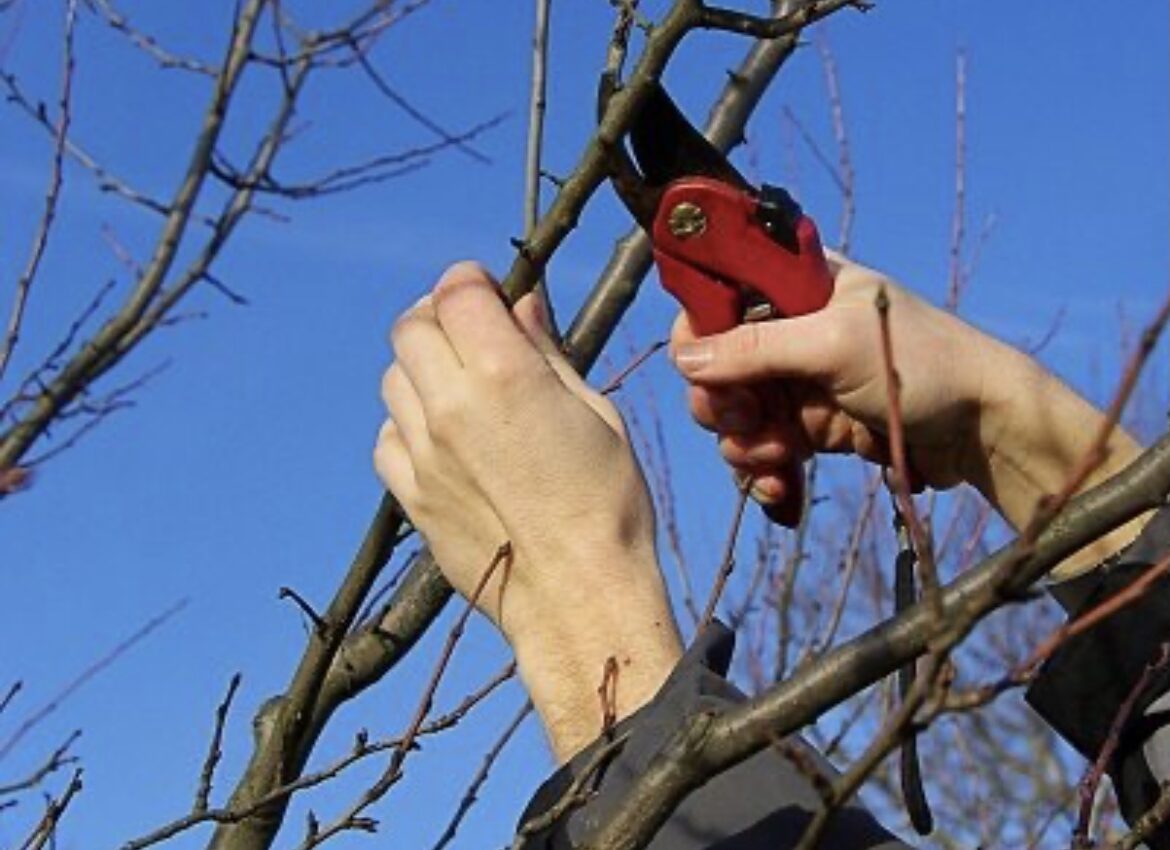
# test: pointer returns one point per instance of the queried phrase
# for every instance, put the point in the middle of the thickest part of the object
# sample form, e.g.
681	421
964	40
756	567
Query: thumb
798	347
531	316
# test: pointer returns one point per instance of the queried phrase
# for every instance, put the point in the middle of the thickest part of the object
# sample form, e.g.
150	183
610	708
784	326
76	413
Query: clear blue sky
245	466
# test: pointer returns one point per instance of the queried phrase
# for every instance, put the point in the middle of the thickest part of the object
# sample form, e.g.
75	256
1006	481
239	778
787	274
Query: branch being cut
371	651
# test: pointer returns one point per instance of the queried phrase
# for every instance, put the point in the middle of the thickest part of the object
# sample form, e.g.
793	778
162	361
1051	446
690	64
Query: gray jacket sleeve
764	802
1082	687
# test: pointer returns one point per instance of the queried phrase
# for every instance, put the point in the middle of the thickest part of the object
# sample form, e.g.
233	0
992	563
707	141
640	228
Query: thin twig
46	830
923	546
352	818
52	195
214	749
88	674
471	795
617	381
58	759
319	624
363	748
959	216
534	149
727	562
846	177
449	139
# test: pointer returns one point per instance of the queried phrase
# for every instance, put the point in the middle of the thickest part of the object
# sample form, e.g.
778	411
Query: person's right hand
778	391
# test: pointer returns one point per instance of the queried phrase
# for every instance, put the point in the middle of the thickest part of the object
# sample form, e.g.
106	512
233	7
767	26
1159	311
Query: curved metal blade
667	146
639	198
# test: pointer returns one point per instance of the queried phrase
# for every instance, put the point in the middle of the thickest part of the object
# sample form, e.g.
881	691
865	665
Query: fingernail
692	356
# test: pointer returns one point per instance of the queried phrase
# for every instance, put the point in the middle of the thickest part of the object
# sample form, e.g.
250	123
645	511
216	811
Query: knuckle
747	341
401	329
495	370
447	419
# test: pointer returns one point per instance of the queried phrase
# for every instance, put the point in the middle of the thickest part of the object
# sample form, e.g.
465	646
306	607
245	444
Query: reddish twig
959	216
615	383
607	695
727	563
844	174
927	569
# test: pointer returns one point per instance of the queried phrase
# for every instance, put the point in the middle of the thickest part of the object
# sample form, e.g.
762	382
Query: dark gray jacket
766	802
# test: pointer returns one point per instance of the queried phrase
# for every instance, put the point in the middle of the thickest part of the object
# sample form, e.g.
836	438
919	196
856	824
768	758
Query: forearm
1035	432
564	650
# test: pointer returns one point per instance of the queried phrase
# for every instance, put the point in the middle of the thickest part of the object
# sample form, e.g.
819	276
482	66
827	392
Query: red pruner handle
713	242
711	305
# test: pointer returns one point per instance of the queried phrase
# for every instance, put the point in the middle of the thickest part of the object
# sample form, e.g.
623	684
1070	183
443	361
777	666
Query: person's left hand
495	439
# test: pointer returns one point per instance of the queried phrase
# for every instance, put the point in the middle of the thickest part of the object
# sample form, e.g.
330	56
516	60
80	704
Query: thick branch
88	363
706	745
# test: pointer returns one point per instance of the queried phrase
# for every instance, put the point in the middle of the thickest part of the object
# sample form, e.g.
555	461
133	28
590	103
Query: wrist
1034	433
563	650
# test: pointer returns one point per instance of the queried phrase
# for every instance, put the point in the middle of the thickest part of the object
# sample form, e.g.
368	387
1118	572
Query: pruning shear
727	251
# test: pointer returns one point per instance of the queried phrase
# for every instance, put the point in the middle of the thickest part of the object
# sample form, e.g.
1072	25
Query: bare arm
495	439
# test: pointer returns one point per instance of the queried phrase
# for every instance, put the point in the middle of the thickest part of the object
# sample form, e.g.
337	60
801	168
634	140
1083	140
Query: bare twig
52	195
959	216
844	173
727	562
58	759
353	817
363	748
147	43
763	27
9	695
533	154
470	796
214	749
46	830
319	624
448	139
923	546
618	381
87	675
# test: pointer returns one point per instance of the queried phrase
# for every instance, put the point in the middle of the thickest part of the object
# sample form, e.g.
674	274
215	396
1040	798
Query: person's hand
778	391
495	439
974	410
